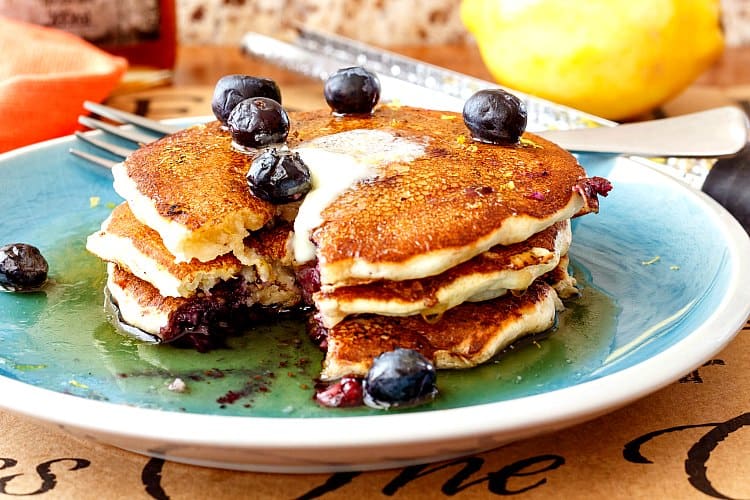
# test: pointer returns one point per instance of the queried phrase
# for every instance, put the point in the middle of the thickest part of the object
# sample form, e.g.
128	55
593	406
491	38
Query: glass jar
142	31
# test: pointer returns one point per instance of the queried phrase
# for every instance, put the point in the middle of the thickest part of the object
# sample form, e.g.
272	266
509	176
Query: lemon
612	58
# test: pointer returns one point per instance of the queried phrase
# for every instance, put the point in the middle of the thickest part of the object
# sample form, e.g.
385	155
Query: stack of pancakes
413	236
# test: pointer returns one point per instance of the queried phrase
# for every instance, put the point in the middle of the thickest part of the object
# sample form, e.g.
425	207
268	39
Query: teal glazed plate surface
662	270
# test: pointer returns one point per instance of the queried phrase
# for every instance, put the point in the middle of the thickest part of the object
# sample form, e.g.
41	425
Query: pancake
435	200
139	250
411	236
190	188
465	336
203	319
484	277
401	194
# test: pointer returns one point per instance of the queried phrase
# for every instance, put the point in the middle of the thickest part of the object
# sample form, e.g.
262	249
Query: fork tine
106	146
125	117
130	135
103	162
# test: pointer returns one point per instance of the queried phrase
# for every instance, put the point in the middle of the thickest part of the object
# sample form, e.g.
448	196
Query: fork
706	134
132	135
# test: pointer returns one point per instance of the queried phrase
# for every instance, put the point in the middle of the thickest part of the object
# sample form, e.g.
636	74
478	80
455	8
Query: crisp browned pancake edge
145	240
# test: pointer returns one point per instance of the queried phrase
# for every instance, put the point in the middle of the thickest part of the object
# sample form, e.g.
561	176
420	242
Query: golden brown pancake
460	198
411	219
486	276
465	336
190	187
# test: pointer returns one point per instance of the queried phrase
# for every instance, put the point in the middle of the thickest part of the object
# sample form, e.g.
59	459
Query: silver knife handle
288	56
543	114
389	63
313	63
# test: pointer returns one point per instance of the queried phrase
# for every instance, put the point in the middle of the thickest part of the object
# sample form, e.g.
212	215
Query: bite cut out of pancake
139	249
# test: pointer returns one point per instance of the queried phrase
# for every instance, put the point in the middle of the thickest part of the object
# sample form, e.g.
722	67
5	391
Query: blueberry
22	267
352	91
495	116
230	90
401	377
258	122
279	176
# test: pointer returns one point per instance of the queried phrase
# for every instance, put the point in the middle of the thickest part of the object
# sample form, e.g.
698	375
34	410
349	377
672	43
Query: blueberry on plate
23	268
399	378
230	90
352	91
495	116
258	122
279	176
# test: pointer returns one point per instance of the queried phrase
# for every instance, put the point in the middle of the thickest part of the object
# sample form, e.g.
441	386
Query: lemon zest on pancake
652	261
528	143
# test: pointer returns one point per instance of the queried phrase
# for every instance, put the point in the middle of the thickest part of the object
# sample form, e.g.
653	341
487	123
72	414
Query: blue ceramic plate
662	274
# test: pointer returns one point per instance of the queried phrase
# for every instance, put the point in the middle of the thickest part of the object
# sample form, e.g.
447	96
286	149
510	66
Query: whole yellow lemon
612	58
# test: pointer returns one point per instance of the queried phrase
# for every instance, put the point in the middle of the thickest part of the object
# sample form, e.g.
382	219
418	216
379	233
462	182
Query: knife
709	134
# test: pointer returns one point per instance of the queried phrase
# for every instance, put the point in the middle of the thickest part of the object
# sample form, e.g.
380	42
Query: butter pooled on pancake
337	162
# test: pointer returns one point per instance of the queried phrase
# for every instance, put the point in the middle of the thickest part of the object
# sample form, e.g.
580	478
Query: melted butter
337	163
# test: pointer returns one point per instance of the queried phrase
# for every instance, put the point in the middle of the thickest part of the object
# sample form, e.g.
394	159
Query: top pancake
411	218
459	198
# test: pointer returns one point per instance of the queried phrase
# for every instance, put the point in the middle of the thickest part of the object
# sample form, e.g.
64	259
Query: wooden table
689	440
